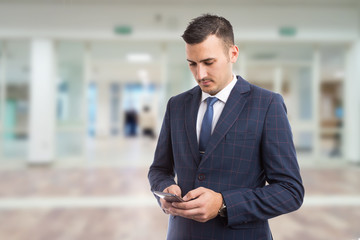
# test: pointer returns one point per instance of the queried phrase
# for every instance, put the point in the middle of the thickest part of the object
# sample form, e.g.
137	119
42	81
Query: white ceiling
187	2
109	55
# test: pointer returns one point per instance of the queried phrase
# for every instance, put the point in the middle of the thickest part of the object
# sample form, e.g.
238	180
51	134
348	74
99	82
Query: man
245	172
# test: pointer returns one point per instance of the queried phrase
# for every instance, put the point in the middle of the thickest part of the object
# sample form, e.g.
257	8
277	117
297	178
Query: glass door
288	70
310	79
15	74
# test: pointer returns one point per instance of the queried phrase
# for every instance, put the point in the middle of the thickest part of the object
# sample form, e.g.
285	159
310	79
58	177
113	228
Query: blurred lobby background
81	80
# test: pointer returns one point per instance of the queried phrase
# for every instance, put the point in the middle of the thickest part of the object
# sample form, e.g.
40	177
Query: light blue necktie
205	131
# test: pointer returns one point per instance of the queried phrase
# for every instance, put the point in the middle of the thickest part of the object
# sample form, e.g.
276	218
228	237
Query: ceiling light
138	57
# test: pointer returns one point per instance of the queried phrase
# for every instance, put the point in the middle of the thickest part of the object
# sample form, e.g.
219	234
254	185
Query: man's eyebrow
204	60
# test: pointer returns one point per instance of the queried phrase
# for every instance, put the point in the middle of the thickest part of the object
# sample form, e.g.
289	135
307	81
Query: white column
87	145
241	62
278	79
42	102
316	101
351	143
164	94
2	92
102	125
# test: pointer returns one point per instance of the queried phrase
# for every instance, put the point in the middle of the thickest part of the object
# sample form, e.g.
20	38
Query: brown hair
202	27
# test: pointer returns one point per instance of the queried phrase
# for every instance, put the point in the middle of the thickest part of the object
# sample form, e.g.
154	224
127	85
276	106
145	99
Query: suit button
201	177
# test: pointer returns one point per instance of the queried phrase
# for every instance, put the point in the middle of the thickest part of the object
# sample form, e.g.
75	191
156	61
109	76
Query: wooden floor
87	200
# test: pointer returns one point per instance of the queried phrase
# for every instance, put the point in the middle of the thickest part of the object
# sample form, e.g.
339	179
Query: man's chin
209	90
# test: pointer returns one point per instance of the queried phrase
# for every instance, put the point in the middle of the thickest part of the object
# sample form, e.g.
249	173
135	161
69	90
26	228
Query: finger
193	194
174	189
193	214
186	213
196	214
196	203
165	204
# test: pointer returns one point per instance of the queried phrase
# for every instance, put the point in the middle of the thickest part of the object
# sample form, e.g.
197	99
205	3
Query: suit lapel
191	110
229	115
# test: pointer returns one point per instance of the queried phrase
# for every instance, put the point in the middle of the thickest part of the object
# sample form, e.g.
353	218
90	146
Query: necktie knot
211	101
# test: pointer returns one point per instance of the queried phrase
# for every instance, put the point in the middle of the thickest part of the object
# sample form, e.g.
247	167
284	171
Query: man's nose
201	72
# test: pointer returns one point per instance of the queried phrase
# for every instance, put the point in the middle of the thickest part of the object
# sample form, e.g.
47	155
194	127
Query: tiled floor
106	196
83	223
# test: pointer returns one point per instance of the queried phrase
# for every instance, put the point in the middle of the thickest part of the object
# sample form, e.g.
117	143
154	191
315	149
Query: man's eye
192	64
208	63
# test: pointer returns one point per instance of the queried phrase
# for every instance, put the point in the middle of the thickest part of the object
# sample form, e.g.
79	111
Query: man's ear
233	53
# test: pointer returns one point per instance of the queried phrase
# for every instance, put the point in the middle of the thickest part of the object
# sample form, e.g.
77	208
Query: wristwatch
222	211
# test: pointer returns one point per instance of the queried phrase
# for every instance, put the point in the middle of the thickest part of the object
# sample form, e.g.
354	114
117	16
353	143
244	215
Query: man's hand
201	205
174	189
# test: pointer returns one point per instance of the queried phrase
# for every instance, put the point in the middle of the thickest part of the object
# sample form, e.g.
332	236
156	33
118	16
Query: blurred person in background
147	122
227	143
131	122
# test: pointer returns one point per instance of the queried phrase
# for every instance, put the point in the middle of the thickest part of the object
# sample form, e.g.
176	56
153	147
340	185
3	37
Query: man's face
210	64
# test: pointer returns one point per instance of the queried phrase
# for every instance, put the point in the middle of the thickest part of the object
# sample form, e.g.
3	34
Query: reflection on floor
105	195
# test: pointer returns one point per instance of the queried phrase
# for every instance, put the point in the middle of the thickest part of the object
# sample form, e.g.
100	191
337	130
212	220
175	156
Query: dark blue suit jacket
250	159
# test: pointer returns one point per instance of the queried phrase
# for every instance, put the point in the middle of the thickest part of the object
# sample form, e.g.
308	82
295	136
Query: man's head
210	51
202	27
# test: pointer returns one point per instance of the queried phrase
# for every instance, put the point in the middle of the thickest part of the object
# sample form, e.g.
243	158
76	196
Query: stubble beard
210	90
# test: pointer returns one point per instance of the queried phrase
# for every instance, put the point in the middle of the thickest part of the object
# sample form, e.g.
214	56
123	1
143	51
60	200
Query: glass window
16	100
70	99
2	81
286	69
331	99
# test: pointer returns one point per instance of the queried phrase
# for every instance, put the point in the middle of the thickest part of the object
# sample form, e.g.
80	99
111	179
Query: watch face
222	211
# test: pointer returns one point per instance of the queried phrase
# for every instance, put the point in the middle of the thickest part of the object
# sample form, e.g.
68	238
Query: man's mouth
205	82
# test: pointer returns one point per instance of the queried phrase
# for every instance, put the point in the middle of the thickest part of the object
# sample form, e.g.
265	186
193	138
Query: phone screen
169	197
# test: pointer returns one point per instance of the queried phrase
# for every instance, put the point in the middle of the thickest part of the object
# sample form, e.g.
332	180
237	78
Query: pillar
351	143
42	115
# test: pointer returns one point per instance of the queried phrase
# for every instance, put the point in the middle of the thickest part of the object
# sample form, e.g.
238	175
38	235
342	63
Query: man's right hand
174	189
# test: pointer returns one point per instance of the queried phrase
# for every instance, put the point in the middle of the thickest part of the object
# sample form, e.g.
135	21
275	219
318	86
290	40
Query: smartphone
169	197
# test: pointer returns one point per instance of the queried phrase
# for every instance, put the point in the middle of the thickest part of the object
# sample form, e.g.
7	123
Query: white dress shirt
218	107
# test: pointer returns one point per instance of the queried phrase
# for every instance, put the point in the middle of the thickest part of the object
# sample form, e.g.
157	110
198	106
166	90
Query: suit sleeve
161	174
284	192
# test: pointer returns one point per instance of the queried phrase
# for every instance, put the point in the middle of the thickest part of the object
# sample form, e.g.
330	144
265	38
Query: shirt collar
224	94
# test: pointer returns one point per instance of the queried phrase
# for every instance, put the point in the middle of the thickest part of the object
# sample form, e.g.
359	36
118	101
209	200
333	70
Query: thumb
174	189
193	194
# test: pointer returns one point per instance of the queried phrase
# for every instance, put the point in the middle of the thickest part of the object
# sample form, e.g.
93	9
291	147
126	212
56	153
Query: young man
228	143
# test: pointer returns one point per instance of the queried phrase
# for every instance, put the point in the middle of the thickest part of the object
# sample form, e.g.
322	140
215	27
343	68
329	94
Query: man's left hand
201	205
